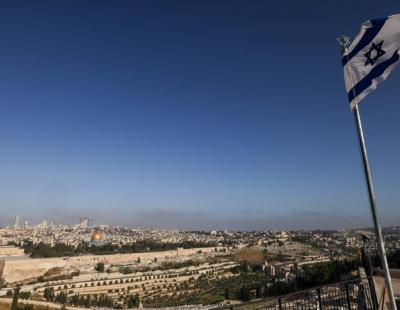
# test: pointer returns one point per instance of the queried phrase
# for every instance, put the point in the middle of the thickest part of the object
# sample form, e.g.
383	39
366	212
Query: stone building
9	250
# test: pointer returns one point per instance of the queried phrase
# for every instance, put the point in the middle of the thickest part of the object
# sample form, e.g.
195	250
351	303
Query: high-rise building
85	222
16	221
44	224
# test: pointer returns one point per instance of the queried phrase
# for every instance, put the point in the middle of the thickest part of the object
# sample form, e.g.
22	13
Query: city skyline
172	221
204	115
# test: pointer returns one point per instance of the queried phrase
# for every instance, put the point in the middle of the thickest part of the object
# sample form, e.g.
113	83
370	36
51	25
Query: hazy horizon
172	219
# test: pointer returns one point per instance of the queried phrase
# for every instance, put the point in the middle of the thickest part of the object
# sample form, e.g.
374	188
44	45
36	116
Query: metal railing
349	295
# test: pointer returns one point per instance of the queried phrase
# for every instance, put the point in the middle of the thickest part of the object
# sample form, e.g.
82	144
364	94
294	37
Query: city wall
23	269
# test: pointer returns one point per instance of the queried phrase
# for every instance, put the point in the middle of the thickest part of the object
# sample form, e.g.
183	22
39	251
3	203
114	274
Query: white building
16	221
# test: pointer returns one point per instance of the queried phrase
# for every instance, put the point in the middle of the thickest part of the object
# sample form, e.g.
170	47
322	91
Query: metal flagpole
372	201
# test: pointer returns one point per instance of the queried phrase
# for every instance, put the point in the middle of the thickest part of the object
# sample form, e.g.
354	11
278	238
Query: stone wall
22	269
8	250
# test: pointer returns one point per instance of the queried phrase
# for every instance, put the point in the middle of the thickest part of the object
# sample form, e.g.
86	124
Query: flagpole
372	201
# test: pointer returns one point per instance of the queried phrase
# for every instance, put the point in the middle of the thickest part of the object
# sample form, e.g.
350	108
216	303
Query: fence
349	295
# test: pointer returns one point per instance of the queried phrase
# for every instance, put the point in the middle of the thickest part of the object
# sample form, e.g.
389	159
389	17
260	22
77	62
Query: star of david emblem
374	53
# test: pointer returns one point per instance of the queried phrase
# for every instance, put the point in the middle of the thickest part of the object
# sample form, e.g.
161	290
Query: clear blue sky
190	114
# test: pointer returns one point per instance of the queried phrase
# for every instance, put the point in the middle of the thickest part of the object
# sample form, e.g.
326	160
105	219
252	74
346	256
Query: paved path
379	285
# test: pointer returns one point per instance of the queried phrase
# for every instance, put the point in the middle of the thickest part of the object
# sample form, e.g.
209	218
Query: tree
258	291
131	303
266	291
244	294
14	305
137	300
2	283
99	267
61	298
226	293
134	301
48	293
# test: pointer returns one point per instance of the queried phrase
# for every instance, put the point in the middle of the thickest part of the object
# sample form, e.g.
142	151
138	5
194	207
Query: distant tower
44	224
16	221
85	222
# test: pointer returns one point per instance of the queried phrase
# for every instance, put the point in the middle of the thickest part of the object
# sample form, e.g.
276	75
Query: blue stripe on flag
373	74
368	36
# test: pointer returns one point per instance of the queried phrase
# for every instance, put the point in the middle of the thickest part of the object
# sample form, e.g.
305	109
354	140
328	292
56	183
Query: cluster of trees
162	266
58	250
60	298
246	286
177	265
248	283
251	282
48	294
88	301
45	250
16	295
324	273
309	276
140	246
393	259
133	301
182	298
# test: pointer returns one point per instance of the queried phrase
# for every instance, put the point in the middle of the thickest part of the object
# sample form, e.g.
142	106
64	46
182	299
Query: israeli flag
371	57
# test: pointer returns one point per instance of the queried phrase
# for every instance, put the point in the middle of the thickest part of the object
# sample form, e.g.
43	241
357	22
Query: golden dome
96	236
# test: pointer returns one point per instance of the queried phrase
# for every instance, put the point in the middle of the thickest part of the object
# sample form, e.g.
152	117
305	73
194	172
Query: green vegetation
133	301
247	283
58	250
100	267
210	290
61	298
48	294
324	273
87	301
178	265
393	259
14	305
163	266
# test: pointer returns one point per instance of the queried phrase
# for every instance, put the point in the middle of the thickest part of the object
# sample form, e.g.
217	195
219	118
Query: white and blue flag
371	57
